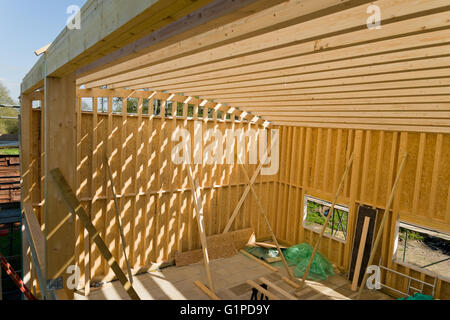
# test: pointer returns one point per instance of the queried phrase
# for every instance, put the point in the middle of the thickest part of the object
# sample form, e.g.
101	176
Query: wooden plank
247	190
337	194
70	50
277	288
269	245
328	77
206	290
261	66
36	241
122	170
382	223
76	208
256	23
266	220
118	220
219	246
110	238
362	246
291	283
363	213
151	156
25	173
268	266
436	173
262	290
354	18
362	126
60	118
138	208
159	96
200	224
419	172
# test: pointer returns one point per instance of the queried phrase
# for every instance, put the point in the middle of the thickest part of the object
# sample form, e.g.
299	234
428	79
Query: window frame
326	203
429	231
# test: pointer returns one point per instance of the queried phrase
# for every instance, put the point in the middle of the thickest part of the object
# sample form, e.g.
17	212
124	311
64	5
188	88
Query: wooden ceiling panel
329	70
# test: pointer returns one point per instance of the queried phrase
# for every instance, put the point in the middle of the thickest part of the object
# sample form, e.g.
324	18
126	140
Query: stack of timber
9	179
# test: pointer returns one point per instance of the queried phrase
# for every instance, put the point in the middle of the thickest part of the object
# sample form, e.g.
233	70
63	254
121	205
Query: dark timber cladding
363	212
334	88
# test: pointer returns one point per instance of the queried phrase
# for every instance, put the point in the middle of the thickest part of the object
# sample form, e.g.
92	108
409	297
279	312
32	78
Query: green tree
5	97
8	126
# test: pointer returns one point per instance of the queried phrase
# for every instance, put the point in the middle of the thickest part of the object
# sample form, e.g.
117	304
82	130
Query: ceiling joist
283	65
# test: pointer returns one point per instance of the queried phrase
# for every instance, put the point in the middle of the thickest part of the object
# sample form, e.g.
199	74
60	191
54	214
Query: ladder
15	277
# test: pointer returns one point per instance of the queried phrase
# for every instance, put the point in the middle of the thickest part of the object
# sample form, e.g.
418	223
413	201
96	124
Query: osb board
219	246
363	212
243	237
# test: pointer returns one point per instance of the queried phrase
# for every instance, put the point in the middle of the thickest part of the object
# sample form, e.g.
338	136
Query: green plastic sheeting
300	255
418	296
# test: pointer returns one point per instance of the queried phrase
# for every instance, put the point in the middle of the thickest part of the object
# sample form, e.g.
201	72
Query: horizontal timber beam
259	23
350	20
215	14
100	35
340	53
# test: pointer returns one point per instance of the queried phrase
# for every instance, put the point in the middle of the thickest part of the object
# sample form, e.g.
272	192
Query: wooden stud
291	283
266	220
118	220
247	190
200	224
383	221
60	115
76	208
337	194
206	290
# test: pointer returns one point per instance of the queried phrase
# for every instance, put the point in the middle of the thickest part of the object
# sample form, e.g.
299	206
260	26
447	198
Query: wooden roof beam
284	14
173	97
215	14
100	35
394	50
349	20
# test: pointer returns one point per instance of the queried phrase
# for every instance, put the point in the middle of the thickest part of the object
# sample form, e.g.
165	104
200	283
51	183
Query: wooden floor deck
230	277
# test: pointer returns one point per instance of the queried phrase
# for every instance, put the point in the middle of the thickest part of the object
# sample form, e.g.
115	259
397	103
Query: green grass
411	235
314	217
9	152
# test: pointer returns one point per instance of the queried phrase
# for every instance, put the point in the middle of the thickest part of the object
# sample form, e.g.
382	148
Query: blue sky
25	26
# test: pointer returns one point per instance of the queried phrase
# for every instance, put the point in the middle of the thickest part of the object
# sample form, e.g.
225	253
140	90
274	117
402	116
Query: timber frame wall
155	197
330	90
314	160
